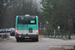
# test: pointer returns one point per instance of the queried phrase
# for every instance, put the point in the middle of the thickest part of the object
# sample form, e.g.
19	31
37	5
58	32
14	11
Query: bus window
27	20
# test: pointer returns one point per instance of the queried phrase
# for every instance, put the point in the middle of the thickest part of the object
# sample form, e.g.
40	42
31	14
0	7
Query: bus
26	28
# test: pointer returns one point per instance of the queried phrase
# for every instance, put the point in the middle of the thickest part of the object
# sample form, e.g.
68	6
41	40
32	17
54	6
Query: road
42	44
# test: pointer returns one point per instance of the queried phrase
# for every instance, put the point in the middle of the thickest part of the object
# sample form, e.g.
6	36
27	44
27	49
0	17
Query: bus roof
25	16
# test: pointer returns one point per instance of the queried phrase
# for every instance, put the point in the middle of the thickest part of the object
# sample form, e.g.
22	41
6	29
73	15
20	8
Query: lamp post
4	7
47	27
70	22
3	13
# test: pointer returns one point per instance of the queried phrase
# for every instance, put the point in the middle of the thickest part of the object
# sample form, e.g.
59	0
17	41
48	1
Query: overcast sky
39	5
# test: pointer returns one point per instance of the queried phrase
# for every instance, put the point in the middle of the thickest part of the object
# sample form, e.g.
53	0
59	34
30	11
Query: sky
39	5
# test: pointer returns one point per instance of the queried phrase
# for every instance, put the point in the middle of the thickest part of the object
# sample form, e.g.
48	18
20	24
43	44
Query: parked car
1	30
12	32
6	30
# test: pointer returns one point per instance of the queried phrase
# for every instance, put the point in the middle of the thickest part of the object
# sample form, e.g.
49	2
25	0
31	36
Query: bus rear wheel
37	39
17	40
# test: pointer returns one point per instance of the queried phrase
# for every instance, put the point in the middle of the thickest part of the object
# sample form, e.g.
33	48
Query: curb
2	39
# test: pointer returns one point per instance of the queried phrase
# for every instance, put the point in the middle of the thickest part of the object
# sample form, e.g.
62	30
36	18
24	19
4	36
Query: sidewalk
62	48
46	36
0	39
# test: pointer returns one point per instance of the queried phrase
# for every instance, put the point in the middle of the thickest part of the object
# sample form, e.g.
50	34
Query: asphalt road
42	44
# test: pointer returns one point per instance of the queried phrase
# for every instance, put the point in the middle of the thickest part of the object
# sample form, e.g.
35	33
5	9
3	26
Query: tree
58	12
13	8
1	7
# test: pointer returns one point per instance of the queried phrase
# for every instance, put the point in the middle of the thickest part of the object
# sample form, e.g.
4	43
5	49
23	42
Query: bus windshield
27	20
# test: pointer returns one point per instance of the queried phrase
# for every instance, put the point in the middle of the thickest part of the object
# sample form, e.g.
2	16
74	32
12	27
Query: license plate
19	35
26	37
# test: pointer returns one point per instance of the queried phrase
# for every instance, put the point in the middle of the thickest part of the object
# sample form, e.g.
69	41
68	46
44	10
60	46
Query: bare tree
12	8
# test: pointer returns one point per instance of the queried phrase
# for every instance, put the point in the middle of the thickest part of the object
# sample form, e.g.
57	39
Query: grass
7	36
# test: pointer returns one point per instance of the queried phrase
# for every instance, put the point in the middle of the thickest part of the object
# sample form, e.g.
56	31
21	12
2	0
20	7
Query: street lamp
47	27
46	22
4	7
4	4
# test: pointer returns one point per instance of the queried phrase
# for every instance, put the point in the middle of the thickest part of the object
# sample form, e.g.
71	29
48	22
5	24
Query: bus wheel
33	40
37	39
17	40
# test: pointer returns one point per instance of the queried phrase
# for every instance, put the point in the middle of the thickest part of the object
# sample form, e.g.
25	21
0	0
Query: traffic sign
40	25
58	27
70	21
46	22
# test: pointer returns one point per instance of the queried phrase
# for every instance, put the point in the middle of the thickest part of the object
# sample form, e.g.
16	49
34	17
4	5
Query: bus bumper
26	36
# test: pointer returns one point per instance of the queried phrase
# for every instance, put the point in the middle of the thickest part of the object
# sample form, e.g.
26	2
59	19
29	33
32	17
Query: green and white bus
26	28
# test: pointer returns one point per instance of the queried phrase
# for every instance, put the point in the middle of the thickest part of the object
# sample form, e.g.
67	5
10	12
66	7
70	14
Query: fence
56	34
4	35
